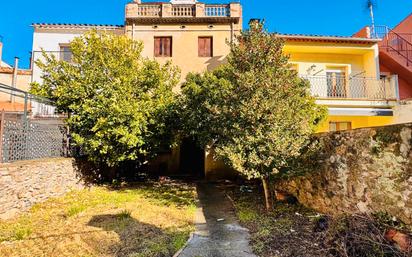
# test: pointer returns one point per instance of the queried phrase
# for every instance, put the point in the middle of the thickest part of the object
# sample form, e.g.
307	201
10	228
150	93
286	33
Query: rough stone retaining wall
23	184
364	170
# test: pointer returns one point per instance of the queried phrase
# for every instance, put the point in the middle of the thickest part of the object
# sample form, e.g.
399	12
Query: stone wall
23	184
364	170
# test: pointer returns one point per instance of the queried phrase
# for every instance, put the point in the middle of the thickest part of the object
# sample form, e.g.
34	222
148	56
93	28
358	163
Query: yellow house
344	75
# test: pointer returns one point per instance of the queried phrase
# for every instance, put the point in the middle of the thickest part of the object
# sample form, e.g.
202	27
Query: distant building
12	77
55	39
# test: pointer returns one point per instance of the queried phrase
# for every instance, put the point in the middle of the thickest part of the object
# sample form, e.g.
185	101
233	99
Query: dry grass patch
141	220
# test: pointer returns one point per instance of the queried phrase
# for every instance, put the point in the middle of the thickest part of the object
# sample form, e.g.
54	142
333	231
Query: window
336	81
339	126
66	54
205	47
163	46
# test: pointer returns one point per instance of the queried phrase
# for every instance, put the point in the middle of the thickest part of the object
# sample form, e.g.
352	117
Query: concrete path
218	233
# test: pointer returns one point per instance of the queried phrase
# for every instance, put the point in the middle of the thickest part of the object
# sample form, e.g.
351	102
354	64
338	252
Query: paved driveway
218	233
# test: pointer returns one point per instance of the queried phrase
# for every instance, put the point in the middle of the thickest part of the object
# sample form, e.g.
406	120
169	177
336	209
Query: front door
192	159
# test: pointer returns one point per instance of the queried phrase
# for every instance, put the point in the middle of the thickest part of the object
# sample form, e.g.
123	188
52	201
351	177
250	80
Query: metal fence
30	127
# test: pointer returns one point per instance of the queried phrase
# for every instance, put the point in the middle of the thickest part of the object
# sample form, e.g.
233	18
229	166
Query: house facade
193	35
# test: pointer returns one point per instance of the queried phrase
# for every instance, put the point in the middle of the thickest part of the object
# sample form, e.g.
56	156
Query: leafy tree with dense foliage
255	112
118	101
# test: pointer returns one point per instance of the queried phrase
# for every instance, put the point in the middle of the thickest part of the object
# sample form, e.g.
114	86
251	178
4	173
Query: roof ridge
77	25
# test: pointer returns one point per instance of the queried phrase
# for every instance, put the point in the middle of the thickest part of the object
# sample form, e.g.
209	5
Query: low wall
403	112
25	183
364	170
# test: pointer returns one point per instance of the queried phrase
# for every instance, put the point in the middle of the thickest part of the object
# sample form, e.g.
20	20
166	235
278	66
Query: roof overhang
182	20
328	39
75	26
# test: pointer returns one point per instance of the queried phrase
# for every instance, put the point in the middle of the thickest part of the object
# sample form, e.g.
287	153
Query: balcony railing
325	87
183	10
152	10
217	11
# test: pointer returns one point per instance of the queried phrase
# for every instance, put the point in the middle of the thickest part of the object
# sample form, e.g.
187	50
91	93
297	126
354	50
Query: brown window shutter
163	46
157	46
201	46
208	47
167	47
205	46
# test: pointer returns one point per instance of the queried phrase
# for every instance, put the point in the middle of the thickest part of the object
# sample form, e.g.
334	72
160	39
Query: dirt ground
292	230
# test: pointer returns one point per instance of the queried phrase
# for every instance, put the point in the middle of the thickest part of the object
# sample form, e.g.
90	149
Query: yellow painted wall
361	62
358	121
185	44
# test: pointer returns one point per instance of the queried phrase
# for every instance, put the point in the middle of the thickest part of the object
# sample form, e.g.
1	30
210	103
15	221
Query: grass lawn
137	221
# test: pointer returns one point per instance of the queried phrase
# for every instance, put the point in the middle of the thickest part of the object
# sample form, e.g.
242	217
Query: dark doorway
192	159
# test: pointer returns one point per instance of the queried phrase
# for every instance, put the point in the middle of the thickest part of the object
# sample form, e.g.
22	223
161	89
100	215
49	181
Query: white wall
49	41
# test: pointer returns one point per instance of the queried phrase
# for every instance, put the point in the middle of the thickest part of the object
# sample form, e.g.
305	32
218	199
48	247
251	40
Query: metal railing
325	87
394	43
59	55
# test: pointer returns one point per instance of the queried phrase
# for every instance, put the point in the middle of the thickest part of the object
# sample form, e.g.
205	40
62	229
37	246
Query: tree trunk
266	189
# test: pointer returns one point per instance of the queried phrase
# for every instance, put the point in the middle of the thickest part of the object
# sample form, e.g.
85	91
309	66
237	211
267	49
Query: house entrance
192	159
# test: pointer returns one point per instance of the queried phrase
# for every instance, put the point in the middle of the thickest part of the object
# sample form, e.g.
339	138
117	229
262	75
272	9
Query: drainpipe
232	32
14	79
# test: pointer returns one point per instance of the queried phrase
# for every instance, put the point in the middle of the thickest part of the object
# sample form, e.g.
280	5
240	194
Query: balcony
353	88
195	12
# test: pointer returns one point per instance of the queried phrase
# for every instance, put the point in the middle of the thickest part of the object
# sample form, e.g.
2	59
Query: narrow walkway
218	233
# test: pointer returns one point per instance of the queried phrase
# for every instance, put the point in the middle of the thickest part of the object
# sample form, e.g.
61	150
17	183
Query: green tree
118	101
254	111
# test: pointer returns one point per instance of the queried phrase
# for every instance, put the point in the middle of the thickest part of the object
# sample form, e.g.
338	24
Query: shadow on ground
136	238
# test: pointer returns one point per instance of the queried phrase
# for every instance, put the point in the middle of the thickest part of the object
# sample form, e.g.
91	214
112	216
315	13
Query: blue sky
327	17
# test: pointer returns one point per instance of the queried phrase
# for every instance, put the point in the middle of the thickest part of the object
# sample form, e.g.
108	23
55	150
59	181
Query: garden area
292	230
140	220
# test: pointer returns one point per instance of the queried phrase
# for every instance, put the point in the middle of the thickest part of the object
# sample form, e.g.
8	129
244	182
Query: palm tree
371	4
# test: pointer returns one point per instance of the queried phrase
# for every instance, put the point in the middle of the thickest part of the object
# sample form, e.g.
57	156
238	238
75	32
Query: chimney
14	79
